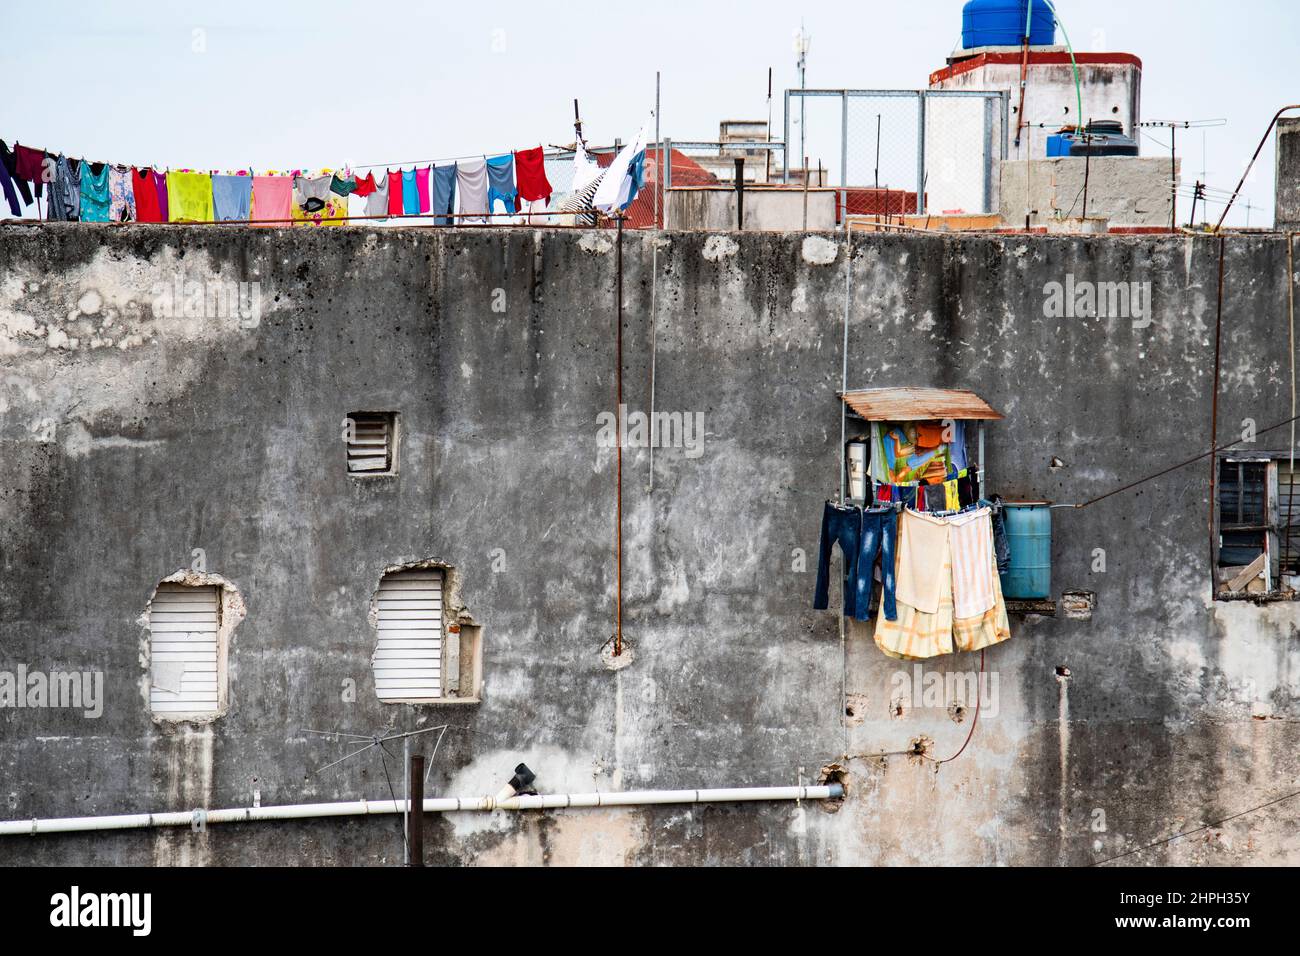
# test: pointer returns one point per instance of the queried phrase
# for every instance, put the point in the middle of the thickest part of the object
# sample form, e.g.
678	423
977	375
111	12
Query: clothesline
468	190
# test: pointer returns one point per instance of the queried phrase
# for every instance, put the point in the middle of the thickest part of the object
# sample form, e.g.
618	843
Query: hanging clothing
189	197
501	183
31	166
272	199
444	194
862	536
530	175
410	194
422	189
899	458
950	576
65	190
11	195
471	179
973	562
121	194
164	198
624	178
145	191
396	183
377	201
343	185
315	203
232	198
311	194
365	185
94	203
9	160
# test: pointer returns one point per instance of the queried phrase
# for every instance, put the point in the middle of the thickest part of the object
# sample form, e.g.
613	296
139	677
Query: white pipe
300	811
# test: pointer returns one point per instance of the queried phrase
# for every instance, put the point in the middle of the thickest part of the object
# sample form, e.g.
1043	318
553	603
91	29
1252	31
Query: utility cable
1207	826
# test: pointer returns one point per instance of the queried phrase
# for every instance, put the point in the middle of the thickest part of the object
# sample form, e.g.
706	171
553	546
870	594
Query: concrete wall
127	441
1126	190
1110	91
1286	214
766	210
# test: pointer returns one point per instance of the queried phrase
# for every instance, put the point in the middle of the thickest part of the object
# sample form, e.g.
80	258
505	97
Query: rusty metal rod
618	412
1251	165
1214	423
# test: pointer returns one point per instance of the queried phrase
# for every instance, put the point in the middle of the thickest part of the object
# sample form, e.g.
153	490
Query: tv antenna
376	742
1174	126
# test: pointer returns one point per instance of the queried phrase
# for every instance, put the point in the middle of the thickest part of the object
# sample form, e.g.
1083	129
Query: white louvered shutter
408	658
183	623
371	447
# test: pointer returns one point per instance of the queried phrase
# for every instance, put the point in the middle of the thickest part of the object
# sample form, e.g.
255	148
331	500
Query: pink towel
272	199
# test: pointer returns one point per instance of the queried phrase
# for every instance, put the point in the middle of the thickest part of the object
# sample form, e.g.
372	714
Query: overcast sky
310	84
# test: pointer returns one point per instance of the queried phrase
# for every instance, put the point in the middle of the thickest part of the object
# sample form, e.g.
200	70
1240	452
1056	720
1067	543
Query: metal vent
371	442
408	657
183	628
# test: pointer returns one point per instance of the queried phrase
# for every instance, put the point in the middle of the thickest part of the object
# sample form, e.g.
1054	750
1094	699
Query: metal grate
371	442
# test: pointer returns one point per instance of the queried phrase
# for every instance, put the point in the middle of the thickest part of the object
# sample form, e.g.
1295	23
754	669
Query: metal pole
406	793
844	155
805	193
618	531
415	811
1173	179
659	149
767	173
785	139
920	153
740	192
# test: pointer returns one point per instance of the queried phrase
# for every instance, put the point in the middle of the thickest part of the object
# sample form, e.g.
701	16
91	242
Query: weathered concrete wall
1127	190
127	441
1287	174
768	210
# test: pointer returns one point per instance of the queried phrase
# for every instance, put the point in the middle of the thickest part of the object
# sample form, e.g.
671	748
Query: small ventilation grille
371	441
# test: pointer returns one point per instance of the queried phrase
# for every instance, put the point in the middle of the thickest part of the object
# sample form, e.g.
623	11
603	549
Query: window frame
1272	532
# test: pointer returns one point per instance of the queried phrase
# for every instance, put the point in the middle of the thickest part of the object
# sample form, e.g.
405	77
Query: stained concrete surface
128	440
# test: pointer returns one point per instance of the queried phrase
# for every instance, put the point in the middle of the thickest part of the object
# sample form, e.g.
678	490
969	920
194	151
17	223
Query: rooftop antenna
375	742
802	44
1174	126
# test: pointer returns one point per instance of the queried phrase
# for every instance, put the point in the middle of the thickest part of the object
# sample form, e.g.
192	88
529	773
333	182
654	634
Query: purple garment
160	180
7	182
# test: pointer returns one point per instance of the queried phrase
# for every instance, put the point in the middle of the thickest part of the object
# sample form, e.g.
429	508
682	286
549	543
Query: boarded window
372	443
408	657
1243	511
183	661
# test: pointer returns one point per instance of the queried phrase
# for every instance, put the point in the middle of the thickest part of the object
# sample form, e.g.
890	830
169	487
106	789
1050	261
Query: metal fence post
920	152
844	157
988	154
785	153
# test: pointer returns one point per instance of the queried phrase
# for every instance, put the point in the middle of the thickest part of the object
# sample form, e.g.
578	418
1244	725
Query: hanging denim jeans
842	526
879	537
862	537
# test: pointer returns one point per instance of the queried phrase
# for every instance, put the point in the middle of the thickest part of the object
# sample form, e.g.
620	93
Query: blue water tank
1002	23
1029	533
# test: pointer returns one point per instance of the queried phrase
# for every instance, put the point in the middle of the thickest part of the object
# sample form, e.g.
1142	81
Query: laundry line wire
1206	826
1182	464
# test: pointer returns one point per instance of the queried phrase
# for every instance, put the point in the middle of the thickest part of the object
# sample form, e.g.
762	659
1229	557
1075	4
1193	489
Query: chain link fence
899	151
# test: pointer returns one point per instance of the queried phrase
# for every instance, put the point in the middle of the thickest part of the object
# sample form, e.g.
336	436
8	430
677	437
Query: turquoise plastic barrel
1029	534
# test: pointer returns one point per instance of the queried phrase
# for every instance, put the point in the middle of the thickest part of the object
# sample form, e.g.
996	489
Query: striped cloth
949	567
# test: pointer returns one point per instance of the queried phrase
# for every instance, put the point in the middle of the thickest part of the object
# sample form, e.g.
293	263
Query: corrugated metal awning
918	404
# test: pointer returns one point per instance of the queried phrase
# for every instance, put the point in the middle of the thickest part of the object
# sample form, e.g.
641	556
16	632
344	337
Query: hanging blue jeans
862	536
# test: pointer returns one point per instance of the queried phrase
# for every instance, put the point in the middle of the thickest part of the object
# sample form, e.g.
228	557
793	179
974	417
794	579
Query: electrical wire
1207	826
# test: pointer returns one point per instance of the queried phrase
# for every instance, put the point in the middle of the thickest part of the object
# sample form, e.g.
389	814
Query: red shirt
146	195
